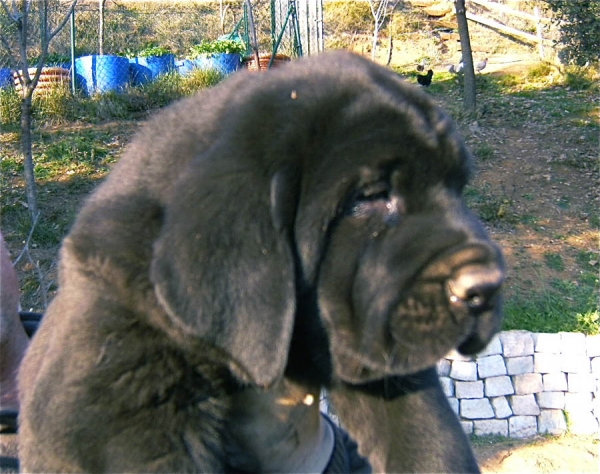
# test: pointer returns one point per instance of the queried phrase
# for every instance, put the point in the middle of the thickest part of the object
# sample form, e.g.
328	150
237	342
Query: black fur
279	233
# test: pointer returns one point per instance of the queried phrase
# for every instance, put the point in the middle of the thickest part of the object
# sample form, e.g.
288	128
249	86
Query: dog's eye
373	192
377	199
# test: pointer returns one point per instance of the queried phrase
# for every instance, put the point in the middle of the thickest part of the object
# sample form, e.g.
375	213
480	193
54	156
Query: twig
28	240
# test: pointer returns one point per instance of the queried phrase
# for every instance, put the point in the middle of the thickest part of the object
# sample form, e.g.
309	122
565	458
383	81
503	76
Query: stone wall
524	384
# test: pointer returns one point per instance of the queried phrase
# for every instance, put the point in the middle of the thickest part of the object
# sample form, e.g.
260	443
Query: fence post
73	89
539	31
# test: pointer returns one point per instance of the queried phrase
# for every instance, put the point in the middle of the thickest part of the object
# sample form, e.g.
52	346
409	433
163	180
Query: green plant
10	106
554	261
220	46
152	50
484	152
560	306
199	79
54	105
578	78
579	25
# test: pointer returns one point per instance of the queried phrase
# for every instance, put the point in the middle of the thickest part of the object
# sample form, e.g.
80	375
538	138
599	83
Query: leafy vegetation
579	25
153	50
220	46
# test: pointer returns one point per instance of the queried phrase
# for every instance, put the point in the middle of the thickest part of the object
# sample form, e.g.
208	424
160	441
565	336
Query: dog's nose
476	286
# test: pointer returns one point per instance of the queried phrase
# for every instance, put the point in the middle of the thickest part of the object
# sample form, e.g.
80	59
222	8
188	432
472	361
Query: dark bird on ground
425	79
480	66
421	67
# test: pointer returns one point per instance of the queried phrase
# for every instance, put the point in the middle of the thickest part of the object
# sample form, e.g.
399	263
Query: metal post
73	50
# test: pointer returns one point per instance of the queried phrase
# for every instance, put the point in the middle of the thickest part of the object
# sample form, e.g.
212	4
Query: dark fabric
30	321
345	457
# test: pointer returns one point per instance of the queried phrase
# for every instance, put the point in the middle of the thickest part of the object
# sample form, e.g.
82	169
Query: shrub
579	25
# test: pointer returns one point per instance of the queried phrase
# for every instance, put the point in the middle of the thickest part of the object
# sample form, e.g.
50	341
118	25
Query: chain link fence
110	40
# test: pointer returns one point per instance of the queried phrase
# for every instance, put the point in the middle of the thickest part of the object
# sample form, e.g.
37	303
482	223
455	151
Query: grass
560	306
58	106
490	206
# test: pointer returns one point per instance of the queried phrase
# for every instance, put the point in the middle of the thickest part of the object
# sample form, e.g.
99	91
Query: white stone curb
524	384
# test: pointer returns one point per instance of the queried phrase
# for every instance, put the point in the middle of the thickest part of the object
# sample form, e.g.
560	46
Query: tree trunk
469	99
26	149
375	38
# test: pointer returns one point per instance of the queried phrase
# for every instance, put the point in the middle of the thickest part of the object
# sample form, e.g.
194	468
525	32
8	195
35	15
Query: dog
278	234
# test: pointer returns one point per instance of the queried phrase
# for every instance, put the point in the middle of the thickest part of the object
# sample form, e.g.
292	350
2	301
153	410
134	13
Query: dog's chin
419	336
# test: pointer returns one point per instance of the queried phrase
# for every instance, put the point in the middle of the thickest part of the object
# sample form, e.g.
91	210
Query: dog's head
328	190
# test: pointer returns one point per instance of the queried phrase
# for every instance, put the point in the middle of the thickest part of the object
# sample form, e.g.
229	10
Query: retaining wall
524	384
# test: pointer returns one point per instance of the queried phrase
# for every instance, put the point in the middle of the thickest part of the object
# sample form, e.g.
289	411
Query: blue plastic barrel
225	63
138	74
102	73
184	66
6	78
157	65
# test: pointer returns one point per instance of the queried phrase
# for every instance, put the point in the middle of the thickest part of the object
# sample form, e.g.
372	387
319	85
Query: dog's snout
475	286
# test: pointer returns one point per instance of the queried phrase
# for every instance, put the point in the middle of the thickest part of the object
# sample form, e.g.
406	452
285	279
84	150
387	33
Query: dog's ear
223	267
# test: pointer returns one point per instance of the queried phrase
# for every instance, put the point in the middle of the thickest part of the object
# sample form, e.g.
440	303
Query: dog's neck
280	430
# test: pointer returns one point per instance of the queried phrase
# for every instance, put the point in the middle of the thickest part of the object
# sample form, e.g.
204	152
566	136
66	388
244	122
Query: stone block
491	366
464	370
555	382
553	400
501	407
498	386
447	386
443	367
582	423
572	343
479	408
581	401
519	365
546	363
552	422
522	426
494	347
454	405
524	405
490	427
467	427
469	389
592	345
581	382
575	364
547	343
596	406
595	365
527	383
516	343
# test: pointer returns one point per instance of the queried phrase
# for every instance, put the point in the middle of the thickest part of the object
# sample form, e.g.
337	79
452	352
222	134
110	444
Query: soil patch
564	454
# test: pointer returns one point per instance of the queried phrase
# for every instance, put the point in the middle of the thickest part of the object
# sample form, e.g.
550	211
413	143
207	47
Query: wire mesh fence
109	45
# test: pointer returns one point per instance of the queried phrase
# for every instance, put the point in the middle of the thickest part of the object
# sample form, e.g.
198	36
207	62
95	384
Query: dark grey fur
278	233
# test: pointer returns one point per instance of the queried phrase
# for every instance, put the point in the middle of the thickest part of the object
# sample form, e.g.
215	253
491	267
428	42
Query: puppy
278	234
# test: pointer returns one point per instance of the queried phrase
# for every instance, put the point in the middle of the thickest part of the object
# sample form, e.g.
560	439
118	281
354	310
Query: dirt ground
564	454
